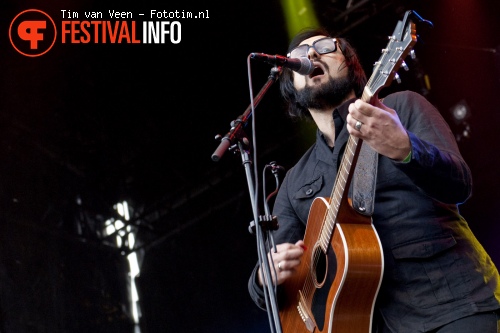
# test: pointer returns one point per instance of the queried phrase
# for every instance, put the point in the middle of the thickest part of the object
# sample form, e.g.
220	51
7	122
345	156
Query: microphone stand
236	140
236	131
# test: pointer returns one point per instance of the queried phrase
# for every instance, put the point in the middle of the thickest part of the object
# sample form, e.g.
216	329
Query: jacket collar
343	109
323	151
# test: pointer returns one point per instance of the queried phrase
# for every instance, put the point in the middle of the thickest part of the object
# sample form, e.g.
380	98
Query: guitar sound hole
320	268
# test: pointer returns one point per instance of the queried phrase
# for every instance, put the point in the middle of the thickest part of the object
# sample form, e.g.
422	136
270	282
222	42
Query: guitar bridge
305	313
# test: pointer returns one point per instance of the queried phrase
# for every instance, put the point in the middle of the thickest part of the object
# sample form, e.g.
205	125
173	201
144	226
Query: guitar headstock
400	44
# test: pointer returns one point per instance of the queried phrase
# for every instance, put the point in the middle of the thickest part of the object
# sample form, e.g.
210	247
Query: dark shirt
435	270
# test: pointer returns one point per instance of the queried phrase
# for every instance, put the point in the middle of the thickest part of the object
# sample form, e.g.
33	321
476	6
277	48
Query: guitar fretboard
342	183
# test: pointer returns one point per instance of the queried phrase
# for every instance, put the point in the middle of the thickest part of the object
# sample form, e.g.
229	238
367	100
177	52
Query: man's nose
312	54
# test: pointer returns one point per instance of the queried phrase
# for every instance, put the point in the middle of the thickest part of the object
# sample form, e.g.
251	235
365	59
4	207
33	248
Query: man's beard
327	96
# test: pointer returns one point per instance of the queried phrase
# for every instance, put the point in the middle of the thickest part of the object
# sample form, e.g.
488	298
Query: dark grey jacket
435	270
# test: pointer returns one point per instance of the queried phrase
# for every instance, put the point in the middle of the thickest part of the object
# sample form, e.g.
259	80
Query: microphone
300	65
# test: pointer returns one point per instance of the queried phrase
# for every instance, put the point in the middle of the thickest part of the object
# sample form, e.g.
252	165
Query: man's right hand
285	261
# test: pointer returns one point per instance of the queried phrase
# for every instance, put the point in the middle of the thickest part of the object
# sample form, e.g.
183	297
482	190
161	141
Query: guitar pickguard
328	264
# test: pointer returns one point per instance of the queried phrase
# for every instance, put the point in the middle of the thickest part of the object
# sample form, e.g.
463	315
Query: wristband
407	158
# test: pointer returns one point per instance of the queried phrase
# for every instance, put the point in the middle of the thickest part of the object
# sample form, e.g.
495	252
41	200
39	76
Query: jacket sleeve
436	165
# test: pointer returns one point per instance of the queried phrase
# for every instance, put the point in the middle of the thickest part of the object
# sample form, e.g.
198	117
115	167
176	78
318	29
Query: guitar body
334	290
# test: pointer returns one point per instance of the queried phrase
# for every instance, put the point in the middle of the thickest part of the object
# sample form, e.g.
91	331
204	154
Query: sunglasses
321	46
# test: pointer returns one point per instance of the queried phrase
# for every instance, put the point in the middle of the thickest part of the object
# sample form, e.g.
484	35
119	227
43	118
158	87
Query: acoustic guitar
335	288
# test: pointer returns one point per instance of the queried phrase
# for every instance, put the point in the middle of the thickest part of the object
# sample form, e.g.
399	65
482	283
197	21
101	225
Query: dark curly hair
356	72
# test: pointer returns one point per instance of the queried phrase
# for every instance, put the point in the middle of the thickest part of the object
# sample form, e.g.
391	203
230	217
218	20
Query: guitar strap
364	180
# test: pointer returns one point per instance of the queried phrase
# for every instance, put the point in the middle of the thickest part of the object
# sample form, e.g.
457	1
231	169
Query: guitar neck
384	71
340	188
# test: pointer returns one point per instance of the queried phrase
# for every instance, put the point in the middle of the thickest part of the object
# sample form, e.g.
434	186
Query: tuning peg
397	78
405	66
412	54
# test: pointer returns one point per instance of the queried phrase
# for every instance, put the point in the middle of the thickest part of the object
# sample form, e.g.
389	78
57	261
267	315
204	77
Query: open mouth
316	71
